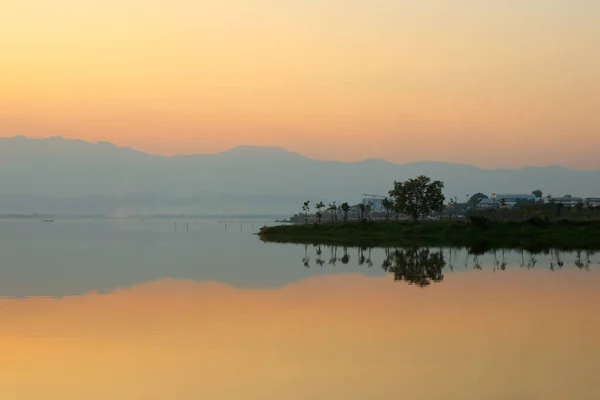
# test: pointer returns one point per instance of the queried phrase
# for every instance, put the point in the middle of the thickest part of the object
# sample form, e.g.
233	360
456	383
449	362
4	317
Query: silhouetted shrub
479	221
537	221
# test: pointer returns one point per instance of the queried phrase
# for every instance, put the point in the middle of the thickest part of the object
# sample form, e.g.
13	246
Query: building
592	202
509	200
376	202
487	203
567	201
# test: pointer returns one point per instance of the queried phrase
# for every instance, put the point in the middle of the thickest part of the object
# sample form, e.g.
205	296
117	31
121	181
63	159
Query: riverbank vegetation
415	215
473	232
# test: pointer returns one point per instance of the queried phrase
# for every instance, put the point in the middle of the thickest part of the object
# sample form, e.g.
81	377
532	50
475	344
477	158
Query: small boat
48	220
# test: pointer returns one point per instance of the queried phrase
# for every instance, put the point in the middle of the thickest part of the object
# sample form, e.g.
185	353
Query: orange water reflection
515	335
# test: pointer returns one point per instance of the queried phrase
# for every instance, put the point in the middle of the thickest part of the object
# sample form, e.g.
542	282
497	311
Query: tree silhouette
369	209
388	206
333	210
319	206
306	209
362	208
345	209
418	197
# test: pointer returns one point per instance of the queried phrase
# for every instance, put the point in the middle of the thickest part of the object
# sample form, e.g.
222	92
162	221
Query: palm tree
369	208
333	210
319	213
306	209
362	208
345	209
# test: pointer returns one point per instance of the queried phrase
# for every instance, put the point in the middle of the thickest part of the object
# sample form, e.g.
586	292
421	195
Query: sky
495	84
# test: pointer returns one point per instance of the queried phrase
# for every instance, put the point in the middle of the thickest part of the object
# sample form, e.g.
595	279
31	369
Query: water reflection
422	266
416	266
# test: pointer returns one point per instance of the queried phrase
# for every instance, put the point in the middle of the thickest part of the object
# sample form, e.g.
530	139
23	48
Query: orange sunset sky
492	83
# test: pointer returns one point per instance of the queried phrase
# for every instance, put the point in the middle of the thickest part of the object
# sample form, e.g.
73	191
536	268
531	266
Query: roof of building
566	198
515	196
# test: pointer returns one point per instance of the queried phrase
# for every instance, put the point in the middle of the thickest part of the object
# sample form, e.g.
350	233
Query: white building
509	200
487	203
376	202
567	201
592	202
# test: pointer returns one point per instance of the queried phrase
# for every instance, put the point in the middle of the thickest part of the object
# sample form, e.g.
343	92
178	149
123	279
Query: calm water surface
135	310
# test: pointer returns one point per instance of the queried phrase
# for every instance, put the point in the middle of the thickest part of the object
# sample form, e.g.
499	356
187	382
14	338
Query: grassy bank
531	234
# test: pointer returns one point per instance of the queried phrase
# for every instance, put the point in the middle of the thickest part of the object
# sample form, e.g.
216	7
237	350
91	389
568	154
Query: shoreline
529	234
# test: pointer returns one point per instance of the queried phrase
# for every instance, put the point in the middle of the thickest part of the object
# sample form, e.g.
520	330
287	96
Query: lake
132	310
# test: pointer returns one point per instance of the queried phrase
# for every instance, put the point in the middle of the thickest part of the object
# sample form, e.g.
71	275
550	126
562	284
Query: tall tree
387	206
345	208
369	209
306	209
319	206
362	208
333	210
537	193
418	197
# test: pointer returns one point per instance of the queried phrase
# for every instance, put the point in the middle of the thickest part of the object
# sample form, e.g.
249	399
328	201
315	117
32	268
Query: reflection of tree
387	261
532	261
361	256
421	266
319	253
306	259
369	261
417	266
346	257
578	262
333	255
476	263
499	264
503	264
588	254
555	259
450	259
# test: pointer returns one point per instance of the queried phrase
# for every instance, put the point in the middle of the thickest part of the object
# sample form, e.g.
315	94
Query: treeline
416	198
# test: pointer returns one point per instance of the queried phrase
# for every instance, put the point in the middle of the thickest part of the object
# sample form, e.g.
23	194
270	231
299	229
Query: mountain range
72	177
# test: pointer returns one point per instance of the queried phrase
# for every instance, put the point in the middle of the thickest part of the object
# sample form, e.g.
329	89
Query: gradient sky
505	83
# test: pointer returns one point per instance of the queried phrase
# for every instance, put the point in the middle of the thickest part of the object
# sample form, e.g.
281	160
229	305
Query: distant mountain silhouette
61	176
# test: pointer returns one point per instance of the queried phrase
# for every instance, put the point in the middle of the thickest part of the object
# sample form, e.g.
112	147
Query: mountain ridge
60	175
245	149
